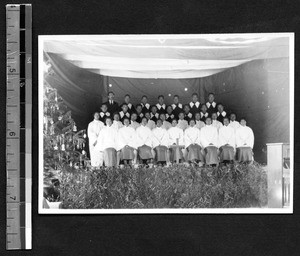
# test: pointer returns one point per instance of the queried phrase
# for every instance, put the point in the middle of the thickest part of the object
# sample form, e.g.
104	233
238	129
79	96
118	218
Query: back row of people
126	109
111	145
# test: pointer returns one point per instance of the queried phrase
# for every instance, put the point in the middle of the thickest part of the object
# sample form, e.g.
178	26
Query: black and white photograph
178	123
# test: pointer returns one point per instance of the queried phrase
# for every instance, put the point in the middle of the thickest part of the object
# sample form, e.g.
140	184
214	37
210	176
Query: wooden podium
278	175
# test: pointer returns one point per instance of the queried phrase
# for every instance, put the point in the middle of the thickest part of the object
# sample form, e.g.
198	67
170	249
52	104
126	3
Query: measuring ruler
18	126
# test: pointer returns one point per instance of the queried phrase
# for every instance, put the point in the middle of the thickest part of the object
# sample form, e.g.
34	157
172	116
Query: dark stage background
162	234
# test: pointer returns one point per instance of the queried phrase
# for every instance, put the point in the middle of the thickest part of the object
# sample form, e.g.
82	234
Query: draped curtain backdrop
248	74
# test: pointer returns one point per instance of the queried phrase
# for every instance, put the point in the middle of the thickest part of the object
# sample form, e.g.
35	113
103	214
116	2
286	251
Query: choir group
160	134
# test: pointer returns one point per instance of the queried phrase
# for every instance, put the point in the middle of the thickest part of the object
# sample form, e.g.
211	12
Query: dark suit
112	108
220	117
211	109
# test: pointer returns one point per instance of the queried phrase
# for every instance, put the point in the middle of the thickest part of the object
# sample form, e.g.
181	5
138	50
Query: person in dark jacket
112	106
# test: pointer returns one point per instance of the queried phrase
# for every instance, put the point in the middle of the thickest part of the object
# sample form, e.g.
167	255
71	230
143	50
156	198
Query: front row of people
110	146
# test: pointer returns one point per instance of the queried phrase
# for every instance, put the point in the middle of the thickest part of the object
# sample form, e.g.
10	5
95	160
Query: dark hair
220	104
195	94
211	93
159	120
243	118
173	120
186	105
127	95
181	112
95	113
192	119
138	105
110	92
106	118
225	118
233	114
208	117
175	96
144	118
103	104
213	113
162	114
160	96
124	104
144	96
124	118
116	113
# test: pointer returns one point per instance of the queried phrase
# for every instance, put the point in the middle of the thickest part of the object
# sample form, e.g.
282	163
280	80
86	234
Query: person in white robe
199	123
192	143
127	148
160	143
133	123
182	123
107	143
233	123
215	122
176	142
117	124
93	131
144	141
226	142
165	124
209	141
244	142
150	123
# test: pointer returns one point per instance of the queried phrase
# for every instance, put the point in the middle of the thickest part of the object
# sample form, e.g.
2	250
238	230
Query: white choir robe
244	137
182	124
107	142
160	137
93	132
174	134
192	144
166	125
151	124
226	136
160	143
209	135
235	125
143	136
217	124
117	124
134	124
199	124
126	137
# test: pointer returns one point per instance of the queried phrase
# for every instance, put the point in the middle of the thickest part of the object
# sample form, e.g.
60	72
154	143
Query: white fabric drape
166	56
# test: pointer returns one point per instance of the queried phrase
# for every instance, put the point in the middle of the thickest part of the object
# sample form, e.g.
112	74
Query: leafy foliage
175	187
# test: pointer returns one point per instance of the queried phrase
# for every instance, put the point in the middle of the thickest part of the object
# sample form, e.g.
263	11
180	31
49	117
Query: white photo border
41	210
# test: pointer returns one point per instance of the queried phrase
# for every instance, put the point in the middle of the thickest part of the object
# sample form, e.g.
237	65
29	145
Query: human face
139	109
111	96
192	123
176	100
211	98
144	100
125	108
214	116
116	117
181	116
220	108
194	98
96	116
104	108
243	122
108	122
186	109
147	115
169	110
174	123
126	122
208	121
162	117
154	110
197	116
232	117
159	123
133	117
127	99
144	121
204	109
161	100
225	121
